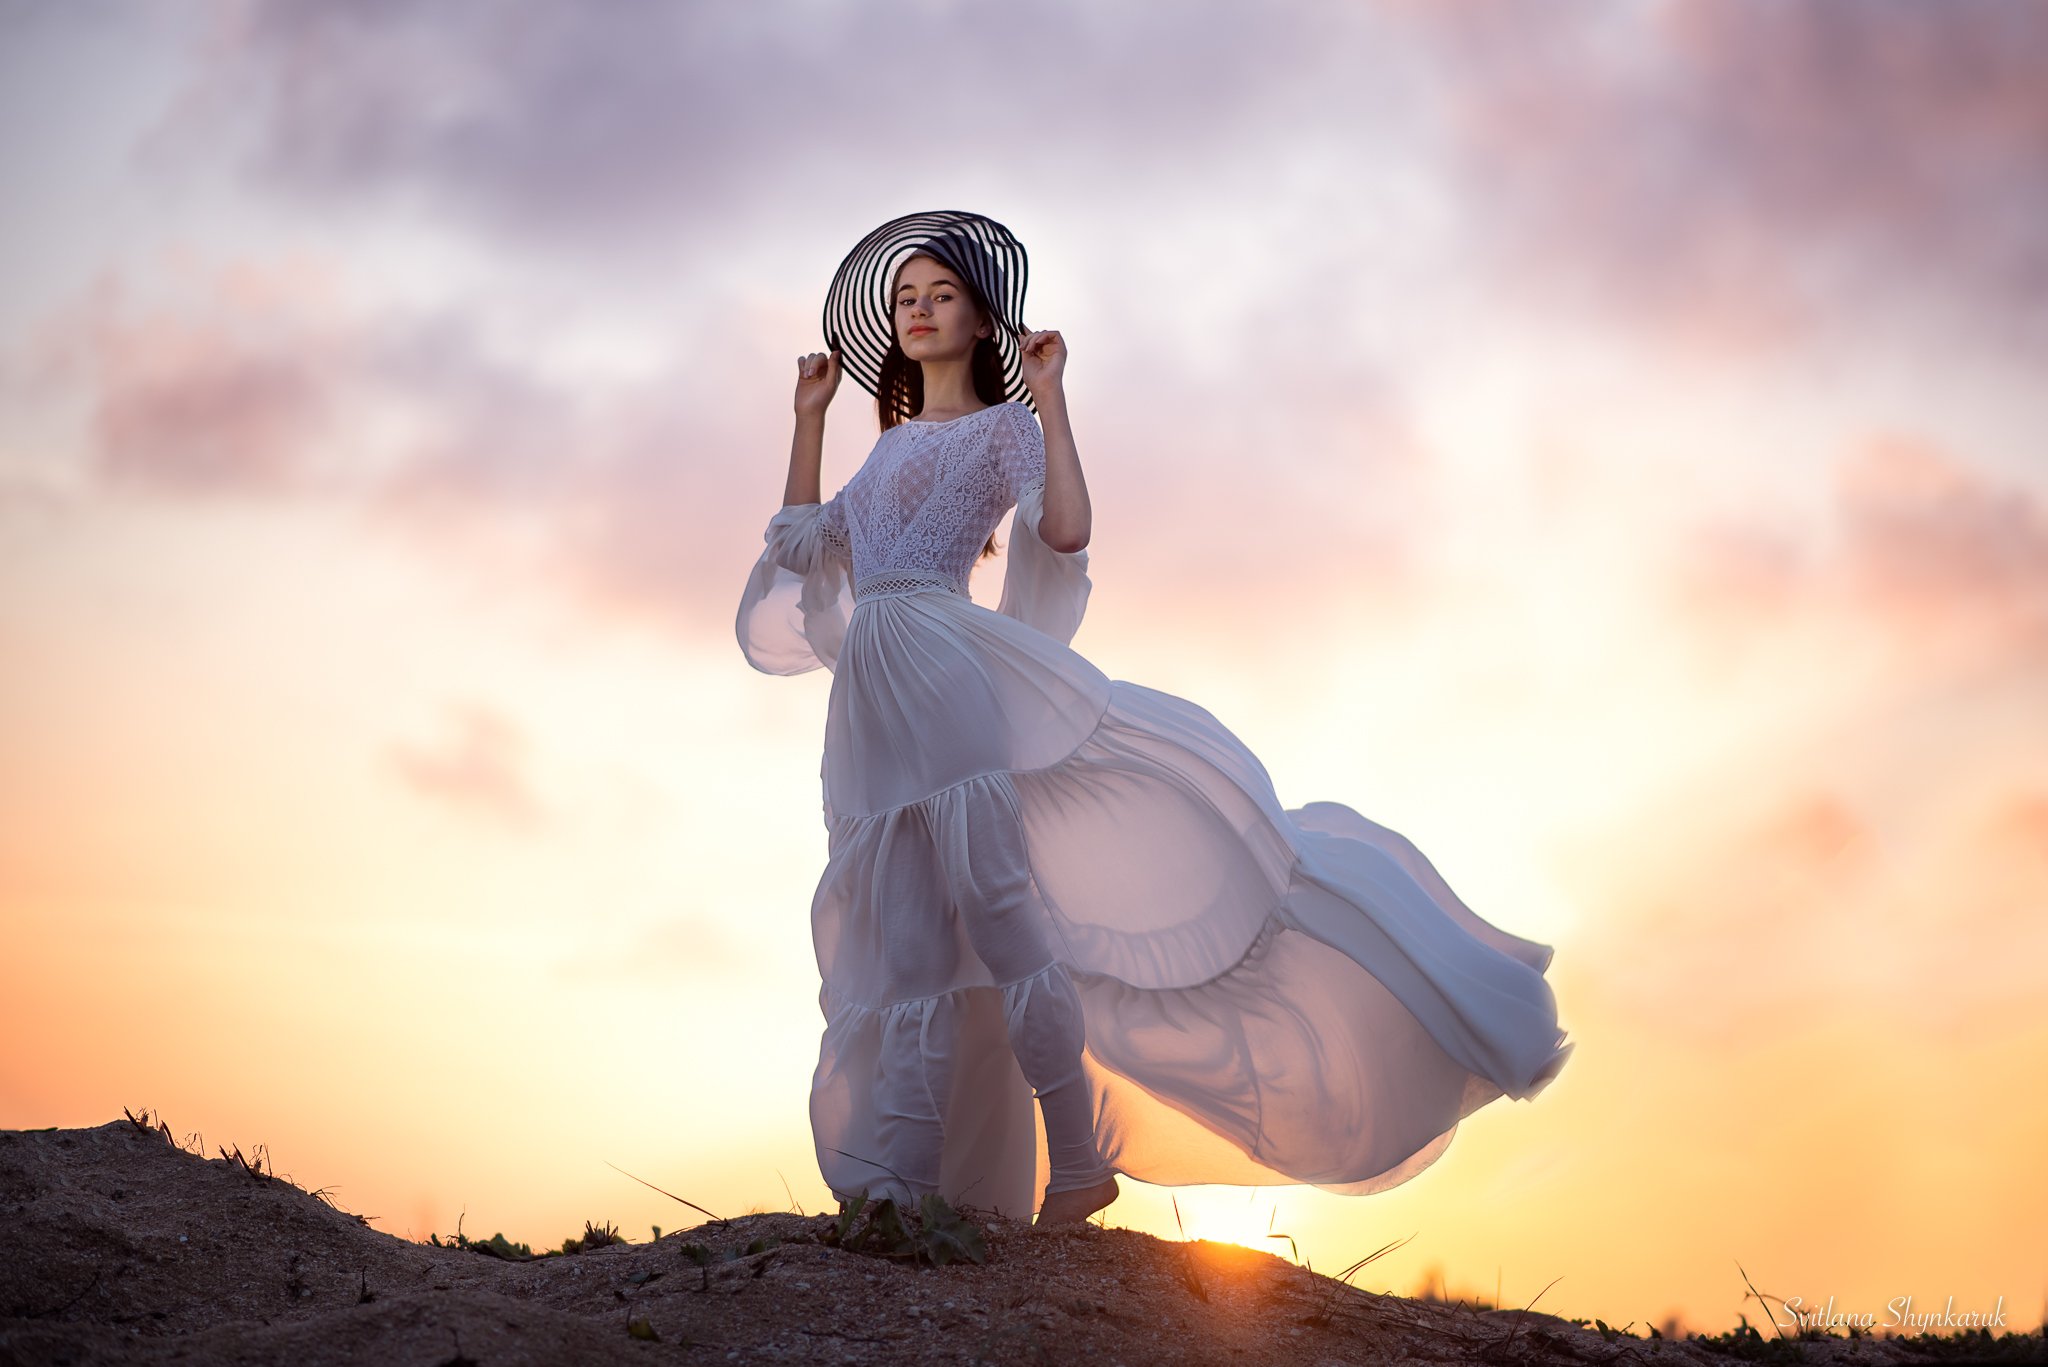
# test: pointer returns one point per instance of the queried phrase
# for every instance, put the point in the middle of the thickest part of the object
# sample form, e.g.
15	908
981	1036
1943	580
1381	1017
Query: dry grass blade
1763	1300
715	1219
1328	1285
1348	1273
793	1203
1191	1278
1319	1316
1516	1327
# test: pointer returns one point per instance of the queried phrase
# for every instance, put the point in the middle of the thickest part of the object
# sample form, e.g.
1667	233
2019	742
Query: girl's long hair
900	387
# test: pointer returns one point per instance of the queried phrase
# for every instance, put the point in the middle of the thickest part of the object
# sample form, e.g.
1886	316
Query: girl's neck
949	391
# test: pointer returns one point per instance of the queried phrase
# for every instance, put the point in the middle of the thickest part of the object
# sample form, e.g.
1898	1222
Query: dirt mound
123	1247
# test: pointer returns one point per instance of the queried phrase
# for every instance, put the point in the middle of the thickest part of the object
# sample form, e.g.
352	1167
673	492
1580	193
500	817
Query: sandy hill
123	1247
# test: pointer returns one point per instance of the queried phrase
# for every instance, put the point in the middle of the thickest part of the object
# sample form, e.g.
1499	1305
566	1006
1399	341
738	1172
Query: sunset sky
1603	442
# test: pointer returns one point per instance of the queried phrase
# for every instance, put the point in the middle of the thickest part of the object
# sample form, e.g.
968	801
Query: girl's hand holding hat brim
817	380
1043	356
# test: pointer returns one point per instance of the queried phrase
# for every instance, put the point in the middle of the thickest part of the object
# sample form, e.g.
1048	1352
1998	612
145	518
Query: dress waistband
893	582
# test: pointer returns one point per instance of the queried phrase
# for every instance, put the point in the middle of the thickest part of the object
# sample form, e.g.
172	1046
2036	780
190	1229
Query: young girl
1044	884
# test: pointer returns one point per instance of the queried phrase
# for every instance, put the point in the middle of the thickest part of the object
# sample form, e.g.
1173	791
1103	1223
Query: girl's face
935	317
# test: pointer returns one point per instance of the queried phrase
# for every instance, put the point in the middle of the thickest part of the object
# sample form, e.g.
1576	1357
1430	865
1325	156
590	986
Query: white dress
1034	869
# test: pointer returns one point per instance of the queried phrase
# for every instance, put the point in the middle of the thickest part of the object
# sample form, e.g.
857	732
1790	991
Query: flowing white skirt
1268	996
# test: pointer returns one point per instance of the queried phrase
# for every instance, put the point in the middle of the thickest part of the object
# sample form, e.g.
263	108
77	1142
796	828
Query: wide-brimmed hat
859	314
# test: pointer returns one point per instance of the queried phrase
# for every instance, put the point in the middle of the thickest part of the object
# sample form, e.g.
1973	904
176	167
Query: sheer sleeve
1018	447
1042	587
793	612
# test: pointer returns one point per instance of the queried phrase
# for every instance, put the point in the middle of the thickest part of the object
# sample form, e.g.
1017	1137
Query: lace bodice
924	502
911	521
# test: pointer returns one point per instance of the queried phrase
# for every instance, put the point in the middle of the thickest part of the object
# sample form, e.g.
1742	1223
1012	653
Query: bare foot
1074	1207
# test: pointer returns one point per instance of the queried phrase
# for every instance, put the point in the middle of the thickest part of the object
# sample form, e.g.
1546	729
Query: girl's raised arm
1069	515
817	377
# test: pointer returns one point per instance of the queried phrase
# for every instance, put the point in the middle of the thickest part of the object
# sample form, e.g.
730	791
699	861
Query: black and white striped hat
860	316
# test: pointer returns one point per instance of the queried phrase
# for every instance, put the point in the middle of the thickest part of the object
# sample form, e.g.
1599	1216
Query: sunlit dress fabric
1041	882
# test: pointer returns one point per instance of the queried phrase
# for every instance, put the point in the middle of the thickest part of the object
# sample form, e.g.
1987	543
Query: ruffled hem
945	1060
1270	996
1160	803
1275	1132
1546	1068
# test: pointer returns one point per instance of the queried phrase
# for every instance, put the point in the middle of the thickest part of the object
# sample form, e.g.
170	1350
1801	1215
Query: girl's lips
915	331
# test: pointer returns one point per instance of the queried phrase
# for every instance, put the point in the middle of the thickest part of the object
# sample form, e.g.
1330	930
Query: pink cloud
1307	505
1805	896
1927	538
1749	171
1919	547
481	766
1730	170
2013	833
662	125
229	398
619	500
1888	827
